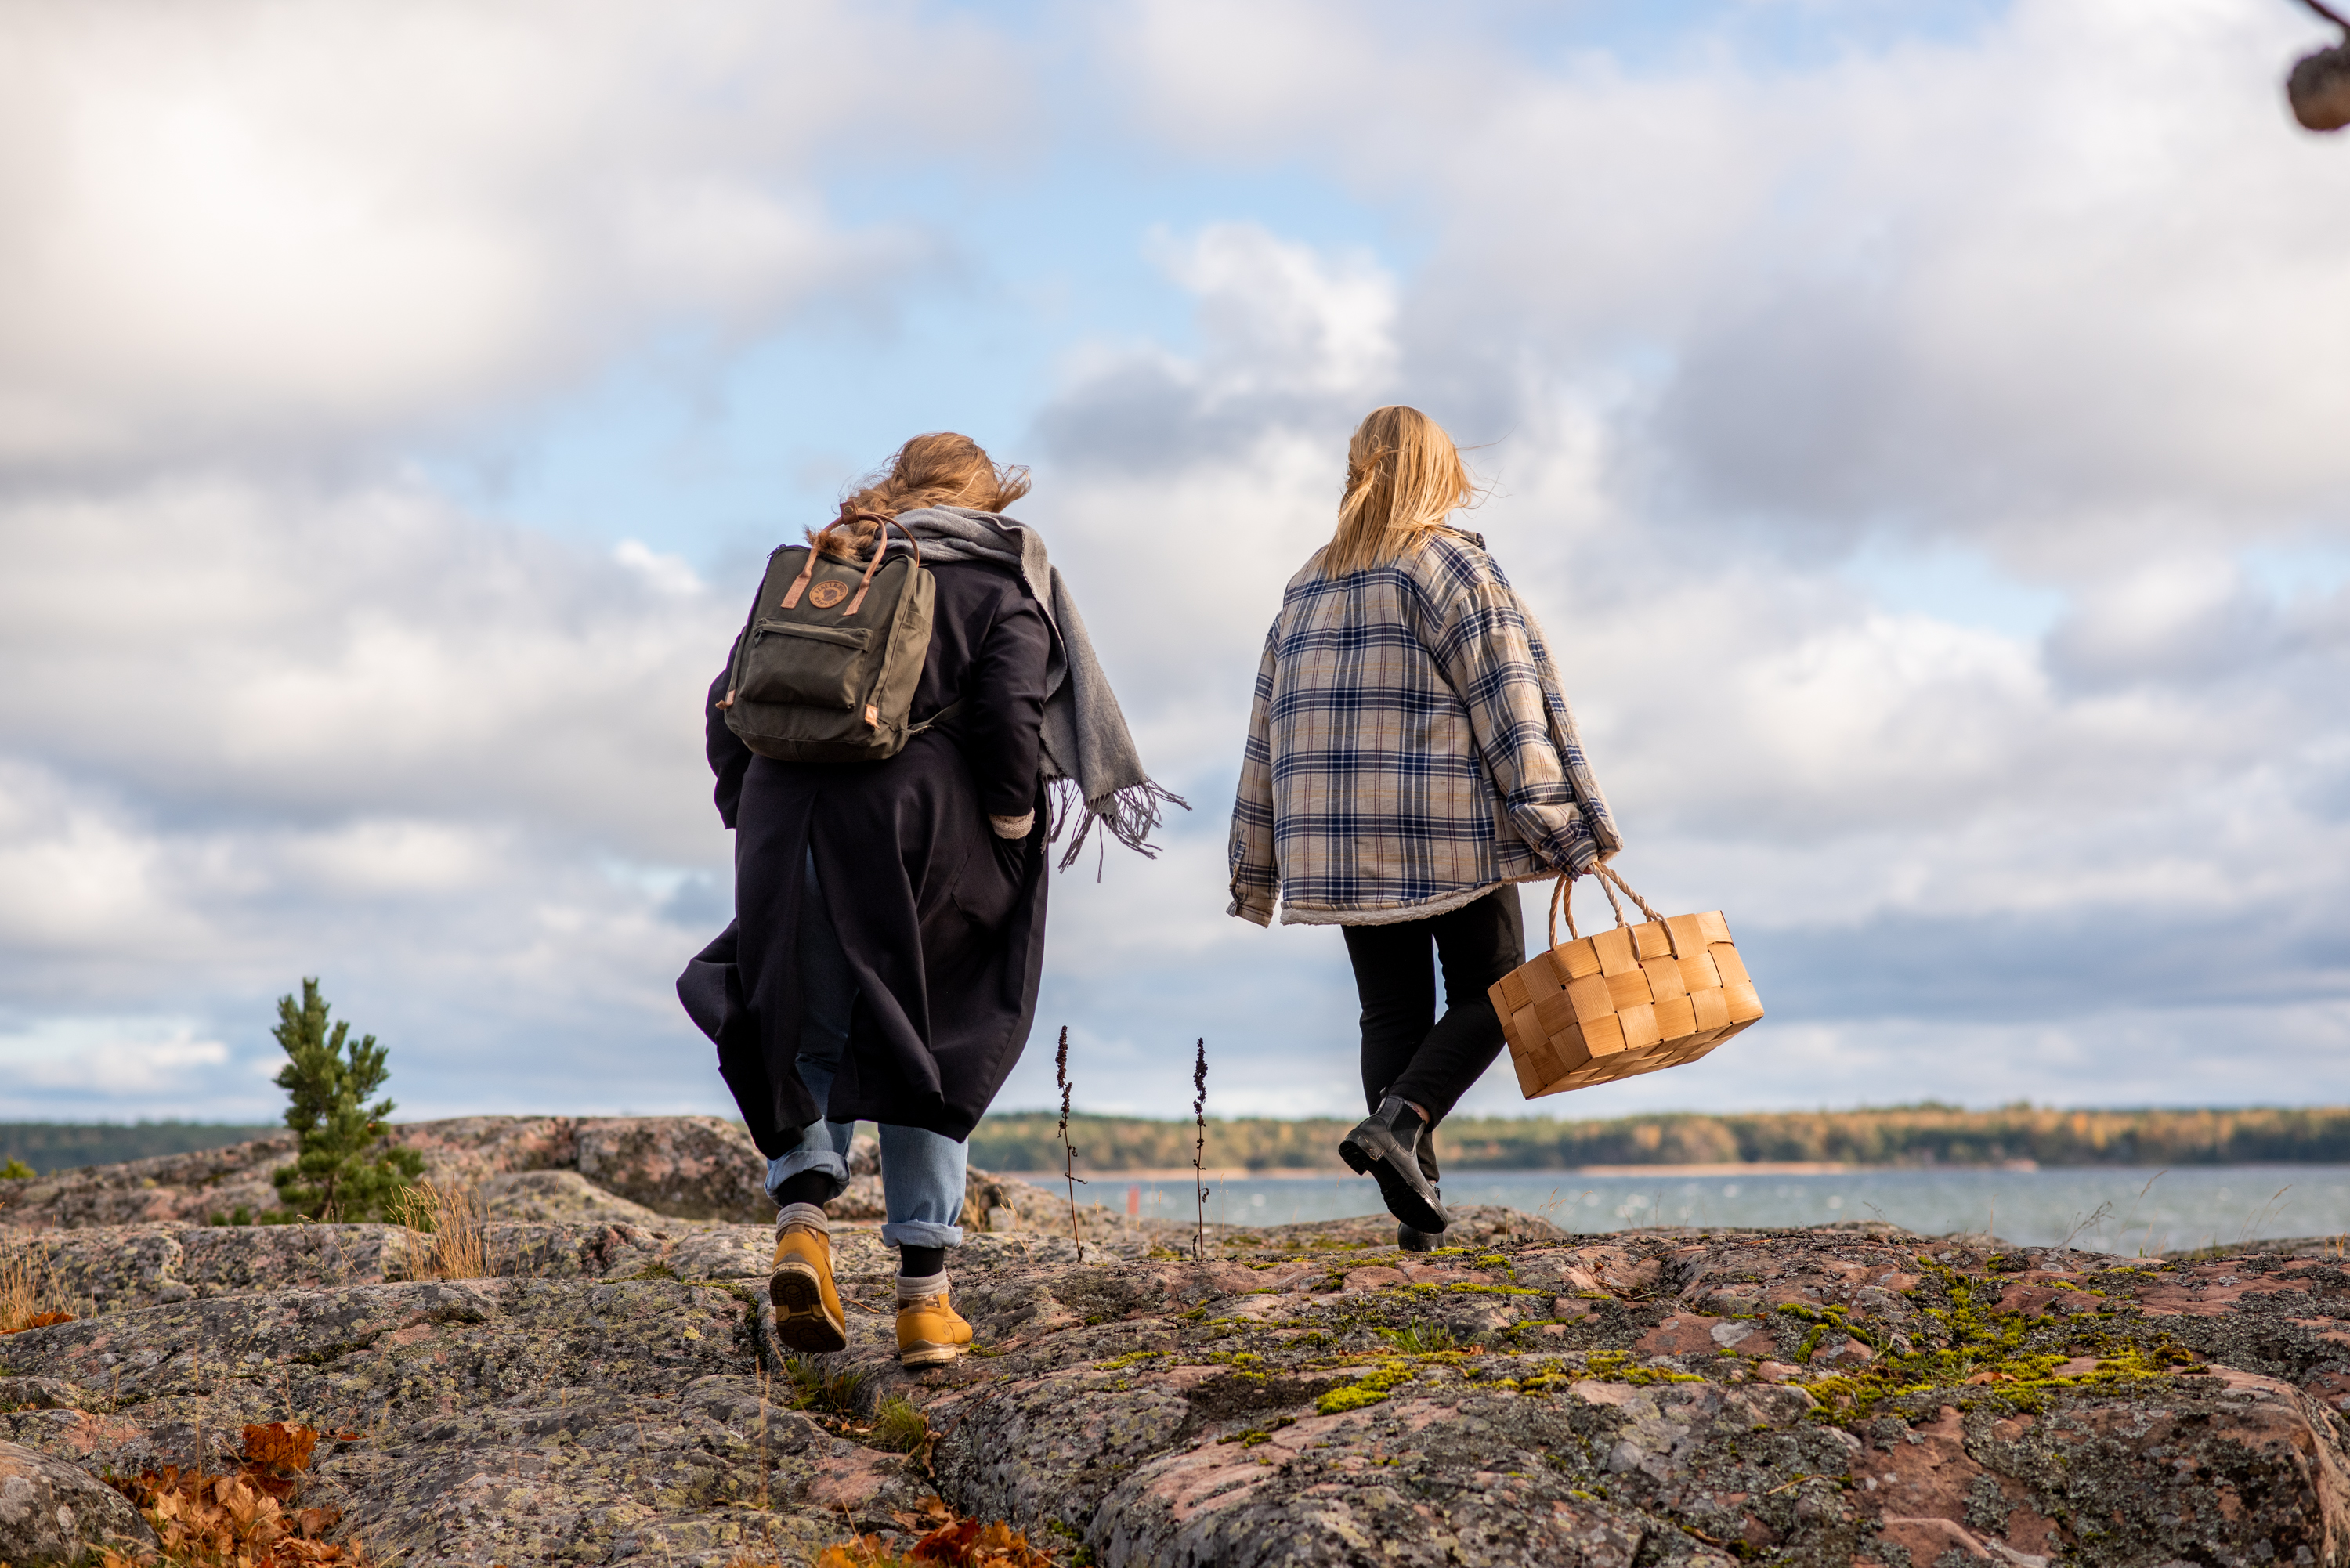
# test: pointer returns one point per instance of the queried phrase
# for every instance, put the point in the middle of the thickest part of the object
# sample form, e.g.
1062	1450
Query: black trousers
1408	1051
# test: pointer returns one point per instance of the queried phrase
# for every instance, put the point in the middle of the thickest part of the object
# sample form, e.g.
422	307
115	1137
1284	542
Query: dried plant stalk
1200	1151
452	1215
1068	1153
28	1297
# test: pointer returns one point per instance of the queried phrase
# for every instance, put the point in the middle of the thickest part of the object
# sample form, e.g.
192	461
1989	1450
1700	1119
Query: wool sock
812	1188
920	1262
808	1214
913	1288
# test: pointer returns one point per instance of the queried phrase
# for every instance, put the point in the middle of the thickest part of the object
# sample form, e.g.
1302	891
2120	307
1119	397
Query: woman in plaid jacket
1409	760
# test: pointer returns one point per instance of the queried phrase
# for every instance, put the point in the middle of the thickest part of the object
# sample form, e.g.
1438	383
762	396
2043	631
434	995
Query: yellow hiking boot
807	1309
930	1331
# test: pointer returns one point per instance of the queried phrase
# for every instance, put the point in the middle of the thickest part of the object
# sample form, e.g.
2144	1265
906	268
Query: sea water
2107	1209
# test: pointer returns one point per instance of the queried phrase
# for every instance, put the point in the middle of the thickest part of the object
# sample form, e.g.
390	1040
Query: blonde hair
942	469
1404	478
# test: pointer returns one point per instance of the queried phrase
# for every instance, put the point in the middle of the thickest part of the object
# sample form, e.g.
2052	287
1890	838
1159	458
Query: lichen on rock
1307	1395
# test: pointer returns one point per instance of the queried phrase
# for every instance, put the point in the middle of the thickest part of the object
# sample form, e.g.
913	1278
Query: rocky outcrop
525	1167
1306	1395
684	1167
52	1511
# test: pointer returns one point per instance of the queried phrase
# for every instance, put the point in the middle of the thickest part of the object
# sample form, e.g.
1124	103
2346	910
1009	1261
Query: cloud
355	732
2051	298
2073	864
278	706
2042	285
117	1065
270	229
1290	339
239	646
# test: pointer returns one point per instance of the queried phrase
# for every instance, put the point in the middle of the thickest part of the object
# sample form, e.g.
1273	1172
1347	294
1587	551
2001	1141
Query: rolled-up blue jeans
921	1172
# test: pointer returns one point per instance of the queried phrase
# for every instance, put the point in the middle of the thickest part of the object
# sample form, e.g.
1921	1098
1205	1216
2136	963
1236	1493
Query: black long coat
943	922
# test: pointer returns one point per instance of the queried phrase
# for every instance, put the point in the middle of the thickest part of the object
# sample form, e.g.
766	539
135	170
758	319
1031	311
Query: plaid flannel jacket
1409	750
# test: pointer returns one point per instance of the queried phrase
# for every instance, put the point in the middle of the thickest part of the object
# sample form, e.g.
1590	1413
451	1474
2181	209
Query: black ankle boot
1412	1240
1385	1146
1409	1240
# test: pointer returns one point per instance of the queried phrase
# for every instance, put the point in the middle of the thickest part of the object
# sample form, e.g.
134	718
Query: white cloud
254	224
2053	286
158	1065
669	574
240	645
1933	831
355	733
2058	295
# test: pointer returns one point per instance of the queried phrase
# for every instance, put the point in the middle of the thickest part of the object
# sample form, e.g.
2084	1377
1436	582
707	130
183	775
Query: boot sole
1403	1201
801	1321
928	1355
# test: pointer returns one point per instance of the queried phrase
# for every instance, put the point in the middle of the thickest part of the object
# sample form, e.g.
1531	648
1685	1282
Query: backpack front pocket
807	665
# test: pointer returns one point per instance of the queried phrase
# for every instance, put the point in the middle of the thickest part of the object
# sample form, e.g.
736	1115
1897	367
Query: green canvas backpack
829	657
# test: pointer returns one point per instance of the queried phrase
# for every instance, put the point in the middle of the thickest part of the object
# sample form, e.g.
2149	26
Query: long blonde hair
1404	478
942	469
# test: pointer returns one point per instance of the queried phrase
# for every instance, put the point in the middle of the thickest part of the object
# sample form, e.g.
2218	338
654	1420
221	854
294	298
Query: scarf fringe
1126	815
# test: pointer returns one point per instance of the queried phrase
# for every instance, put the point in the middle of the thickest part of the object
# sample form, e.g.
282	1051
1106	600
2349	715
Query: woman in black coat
889	929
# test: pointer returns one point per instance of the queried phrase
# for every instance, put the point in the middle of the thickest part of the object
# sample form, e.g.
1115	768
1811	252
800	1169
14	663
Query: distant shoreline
1303	1173
1929	1137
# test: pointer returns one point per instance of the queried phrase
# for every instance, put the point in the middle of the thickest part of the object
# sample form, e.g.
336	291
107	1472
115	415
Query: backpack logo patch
824	596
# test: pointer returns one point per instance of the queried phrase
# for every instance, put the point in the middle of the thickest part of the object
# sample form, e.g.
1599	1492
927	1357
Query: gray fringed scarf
1087	750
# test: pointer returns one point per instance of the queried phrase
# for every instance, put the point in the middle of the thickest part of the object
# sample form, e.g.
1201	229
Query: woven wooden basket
1625	1000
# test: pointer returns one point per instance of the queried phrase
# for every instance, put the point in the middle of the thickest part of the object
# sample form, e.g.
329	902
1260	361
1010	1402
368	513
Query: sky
1922	429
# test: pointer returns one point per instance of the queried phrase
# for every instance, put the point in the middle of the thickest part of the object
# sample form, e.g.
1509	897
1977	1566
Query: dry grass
452	1217
29	1296
900	1427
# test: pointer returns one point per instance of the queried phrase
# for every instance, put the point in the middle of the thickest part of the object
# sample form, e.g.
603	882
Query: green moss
1120	1363
1368	1389
1618	1366
1080	1555
1986	1357
1255	1435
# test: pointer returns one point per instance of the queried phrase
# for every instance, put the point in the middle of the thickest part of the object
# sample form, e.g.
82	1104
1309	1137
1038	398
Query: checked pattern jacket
1408	749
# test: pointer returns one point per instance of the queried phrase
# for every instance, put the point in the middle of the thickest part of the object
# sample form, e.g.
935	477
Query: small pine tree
333	1177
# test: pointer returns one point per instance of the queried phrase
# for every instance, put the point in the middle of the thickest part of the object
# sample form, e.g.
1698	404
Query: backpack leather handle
881	548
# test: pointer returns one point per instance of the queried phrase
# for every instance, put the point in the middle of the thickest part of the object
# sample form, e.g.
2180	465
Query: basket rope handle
1610	874
1562	904
1559	905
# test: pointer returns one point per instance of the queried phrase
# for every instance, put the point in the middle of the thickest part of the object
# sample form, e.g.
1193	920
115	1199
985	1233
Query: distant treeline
1899	1135
49	1146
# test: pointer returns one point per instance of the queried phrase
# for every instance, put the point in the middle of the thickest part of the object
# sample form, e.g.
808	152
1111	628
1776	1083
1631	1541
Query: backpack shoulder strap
940	717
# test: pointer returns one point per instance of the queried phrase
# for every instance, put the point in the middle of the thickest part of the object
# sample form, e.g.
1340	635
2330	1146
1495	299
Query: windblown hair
942	469
1404	478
